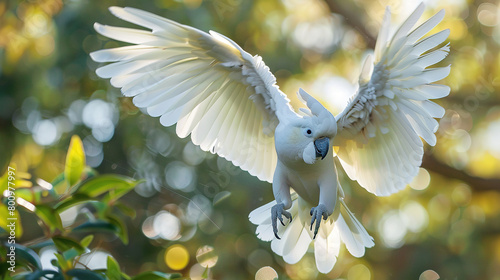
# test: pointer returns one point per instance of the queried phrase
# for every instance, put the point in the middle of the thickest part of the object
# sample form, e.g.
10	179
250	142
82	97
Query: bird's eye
307	132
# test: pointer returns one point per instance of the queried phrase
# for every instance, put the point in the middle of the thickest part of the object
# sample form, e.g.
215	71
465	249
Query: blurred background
192	210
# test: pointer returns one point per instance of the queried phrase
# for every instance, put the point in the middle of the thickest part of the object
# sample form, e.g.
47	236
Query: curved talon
316	213
276	214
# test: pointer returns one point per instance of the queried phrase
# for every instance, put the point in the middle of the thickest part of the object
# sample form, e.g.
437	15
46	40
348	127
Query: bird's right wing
224	97
379	131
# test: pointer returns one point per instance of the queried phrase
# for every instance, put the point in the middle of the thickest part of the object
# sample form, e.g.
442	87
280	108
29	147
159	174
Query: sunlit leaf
87	240
14	214
107	183
26	194
113	271
71	201
62	262
49	217
60	184
75	161
85	274
64	244
155	275
205	272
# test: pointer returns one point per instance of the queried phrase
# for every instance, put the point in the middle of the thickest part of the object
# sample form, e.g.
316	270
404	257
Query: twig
353	19
477	183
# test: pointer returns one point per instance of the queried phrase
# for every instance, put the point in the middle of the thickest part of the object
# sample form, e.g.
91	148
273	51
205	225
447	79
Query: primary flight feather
229	103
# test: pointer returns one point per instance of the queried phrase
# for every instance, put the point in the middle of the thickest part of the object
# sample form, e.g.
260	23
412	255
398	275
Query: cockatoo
229	103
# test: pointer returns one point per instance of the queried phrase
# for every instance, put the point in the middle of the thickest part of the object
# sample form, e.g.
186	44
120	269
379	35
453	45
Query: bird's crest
318	114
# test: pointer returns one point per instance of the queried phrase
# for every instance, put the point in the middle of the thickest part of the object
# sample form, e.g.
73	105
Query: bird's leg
277	212
316	213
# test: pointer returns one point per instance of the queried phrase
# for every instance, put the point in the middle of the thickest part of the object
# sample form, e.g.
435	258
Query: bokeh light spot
421	181
359	272
96	259
440	207
193	155
46	257
461	195
148	228
177	257
392	229
429	275
266	273
206	256
45	133
414	216
167	225
180	176
488	14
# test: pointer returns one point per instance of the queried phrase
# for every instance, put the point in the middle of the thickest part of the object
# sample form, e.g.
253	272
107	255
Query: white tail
296	236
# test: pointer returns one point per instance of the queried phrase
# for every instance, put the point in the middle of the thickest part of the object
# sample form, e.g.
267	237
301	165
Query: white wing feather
379	130
225	98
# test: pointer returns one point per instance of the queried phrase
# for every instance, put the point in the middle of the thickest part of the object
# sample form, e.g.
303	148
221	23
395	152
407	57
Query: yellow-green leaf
117	184
49	217
75	161
87	240
14	216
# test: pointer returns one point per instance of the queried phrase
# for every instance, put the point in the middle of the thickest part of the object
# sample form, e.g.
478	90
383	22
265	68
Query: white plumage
229	103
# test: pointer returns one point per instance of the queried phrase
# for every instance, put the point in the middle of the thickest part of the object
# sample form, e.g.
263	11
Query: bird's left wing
224	97
379	130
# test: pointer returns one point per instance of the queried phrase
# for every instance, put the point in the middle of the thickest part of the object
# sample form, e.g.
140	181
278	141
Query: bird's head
313	133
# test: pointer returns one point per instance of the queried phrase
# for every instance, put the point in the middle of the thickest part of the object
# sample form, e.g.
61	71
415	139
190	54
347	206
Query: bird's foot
277	212
316	213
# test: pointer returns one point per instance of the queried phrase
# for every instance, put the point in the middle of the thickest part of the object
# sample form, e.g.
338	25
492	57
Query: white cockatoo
229	102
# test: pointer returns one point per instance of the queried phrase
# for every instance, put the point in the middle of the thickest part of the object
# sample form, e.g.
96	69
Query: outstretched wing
379	130
225	98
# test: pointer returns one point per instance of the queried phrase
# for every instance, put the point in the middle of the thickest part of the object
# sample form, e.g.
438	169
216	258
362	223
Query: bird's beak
321	145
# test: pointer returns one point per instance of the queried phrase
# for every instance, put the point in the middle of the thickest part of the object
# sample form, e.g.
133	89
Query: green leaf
72	201
60	184
128	211
71	254
49	217
50	274
155	275
205	272
41	244
96	226
63	263
113	271
64	244
75	161
26	255
5	212
82	274
26	194
87	240
122	228
106	183
18	276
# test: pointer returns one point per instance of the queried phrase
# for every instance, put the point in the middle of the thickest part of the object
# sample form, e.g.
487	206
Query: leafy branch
78	186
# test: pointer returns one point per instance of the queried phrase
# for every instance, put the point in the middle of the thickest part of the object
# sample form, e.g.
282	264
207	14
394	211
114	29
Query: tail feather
326	251
353	234
296	237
